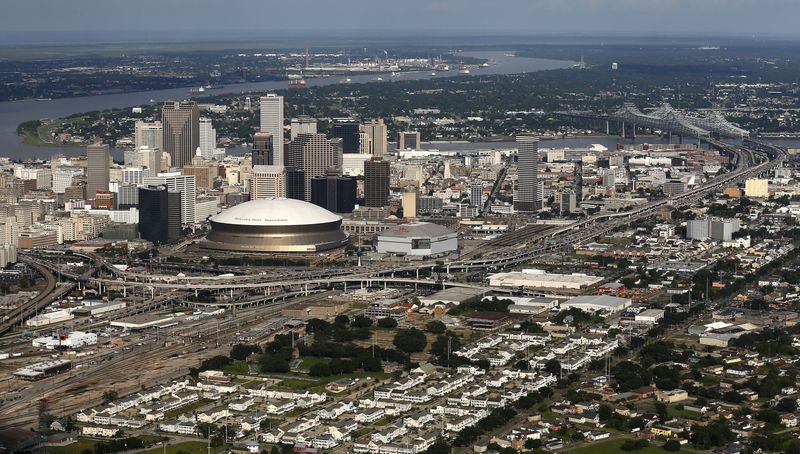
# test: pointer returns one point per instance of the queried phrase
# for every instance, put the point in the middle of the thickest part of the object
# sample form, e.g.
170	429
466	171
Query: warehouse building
422	240
452	296
49	318
73	340
649	316
542	279
597	303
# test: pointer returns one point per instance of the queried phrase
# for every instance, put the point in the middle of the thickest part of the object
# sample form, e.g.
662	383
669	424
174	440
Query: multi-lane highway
752	160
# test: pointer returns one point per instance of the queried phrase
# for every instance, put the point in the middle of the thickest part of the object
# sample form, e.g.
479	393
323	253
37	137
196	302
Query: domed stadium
275	225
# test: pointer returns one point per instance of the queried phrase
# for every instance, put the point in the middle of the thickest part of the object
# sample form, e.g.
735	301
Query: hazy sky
511	16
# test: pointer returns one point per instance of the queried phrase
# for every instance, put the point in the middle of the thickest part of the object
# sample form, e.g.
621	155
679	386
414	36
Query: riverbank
14	113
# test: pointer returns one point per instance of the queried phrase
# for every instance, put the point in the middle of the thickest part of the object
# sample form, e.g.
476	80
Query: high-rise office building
134	175
578	171
333	192
525	199
410	202
376	183
295	184
303	125
263	147
314	154
147	157
268	182
62	179
348	130
364	143
476	194
408	140
208	139
159	214
127	196
204	172
148	135
272	122
566	201
98	166
181	122
183	184
378	141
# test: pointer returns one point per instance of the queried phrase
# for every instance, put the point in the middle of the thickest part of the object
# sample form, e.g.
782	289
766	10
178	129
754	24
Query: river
15	112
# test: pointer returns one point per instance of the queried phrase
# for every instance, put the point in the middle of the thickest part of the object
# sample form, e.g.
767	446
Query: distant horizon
104	20
121	36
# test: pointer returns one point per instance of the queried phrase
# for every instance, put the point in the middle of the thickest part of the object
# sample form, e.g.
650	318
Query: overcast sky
781	17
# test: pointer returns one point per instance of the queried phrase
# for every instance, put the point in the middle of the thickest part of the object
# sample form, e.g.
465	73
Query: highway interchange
261	297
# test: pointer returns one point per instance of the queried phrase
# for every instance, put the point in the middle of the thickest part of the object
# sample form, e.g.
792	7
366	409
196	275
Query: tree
316	325
672	445
110	395
341	320
387	322
553	366
410	340
361	321
661	411
530	443
439	447
786	405
320	370
241	352
273	363
436	327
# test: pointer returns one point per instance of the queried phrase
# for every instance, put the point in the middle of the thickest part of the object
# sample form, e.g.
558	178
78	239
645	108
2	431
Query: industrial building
423	239
530	306
597	303
275	225
73	340
452	296
649	316
542	279
48	318
41	370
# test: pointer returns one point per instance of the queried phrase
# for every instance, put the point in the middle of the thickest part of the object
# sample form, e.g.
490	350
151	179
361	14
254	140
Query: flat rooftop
141	321
459	294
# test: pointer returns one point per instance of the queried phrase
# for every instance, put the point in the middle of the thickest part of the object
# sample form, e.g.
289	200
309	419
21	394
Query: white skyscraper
149	135
185	184
208	139
303	125
376	132
272	122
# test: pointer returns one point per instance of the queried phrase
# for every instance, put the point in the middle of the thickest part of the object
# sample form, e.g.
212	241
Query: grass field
74	448
612	447
188	447
237	368
82	444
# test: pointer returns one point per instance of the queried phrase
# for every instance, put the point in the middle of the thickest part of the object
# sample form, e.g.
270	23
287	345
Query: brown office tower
314	154
262	149
376	183
97	169
181	123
